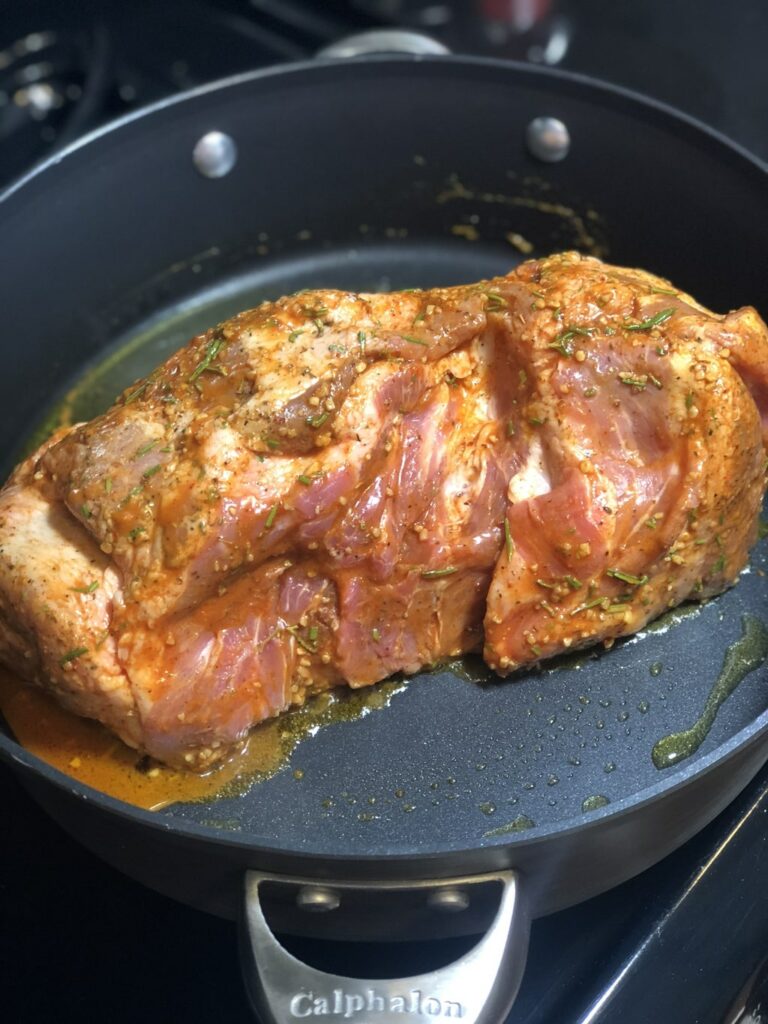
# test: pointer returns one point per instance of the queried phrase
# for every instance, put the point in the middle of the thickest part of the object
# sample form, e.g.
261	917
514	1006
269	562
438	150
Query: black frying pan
398	172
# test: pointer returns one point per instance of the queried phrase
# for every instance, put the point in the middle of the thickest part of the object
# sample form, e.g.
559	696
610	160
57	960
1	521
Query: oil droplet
593	803
599	724
409	807
584	700
451	781
399	793
575	761
552	780
609	767
529	785
622	716
519	824
742	657
643	707
434	785
298	774
488	807
367	816
480	767
327	804
604	703
656	668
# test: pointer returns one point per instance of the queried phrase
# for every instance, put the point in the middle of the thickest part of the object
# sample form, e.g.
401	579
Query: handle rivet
215	154
449	900
317	899
548	139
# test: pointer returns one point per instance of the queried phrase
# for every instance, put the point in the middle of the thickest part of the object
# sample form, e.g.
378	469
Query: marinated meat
333	487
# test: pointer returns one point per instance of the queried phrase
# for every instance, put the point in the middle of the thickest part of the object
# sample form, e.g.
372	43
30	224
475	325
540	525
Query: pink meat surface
333	487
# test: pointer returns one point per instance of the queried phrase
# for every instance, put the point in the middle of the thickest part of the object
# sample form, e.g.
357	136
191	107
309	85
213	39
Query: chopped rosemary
76	652
87	590
294	334
543	583
563	339
137	392
719	564
690	398
652	321
589	604
313	631
319	420
108	485
652	522
304	479
663	291
375	634
536	650
144	449
508	540
300	640
536	422
414	341
495	302
134	533
590	392
212	350
627	577
151	471
85	510
523	378
655	381
419	318
616	608
511	429
271	443
271	517
361	341
572	582
632	381
431	574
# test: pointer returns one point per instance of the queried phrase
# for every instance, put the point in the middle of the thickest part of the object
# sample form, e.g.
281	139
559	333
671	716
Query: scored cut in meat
334	487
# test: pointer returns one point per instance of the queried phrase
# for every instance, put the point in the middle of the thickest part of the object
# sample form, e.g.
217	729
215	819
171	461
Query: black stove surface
682	943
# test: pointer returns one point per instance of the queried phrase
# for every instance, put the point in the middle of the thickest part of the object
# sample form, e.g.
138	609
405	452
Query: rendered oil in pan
544	747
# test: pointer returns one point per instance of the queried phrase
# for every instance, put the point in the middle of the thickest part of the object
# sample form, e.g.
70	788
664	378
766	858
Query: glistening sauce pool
741	658
88	752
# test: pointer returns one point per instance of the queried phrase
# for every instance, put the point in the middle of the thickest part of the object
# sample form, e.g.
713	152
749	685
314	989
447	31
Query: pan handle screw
450	900
548	139
215	154
317	899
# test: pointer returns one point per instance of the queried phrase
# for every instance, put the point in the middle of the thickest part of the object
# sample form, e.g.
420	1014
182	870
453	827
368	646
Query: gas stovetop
682	943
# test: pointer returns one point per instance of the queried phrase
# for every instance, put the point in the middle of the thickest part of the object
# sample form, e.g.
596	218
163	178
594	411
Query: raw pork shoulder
333	487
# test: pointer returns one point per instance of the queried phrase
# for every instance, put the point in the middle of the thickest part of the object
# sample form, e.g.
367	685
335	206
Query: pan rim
14	754
586	83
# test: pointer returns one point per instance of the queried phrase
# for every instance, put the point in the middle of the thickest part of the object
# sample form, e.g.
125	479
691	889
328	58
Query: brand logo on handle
348	1004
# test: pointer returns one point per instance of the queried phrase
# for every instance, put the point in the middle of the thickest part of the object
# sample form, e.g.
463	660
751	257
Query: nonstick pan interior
459	757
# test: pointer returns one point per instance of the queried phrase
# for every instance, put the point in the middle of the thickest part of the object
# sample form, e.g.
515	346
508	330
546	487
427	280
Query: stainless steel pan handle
383	40
479	988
